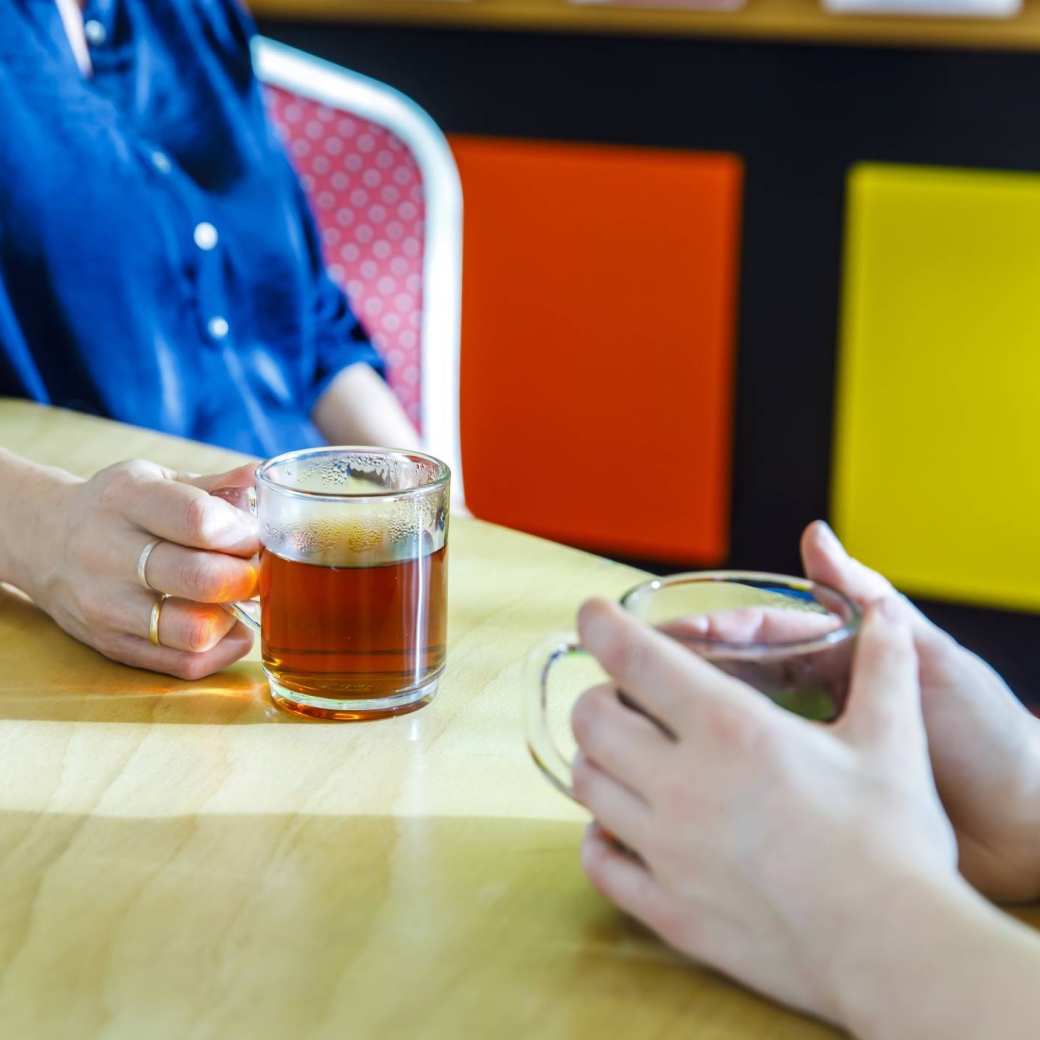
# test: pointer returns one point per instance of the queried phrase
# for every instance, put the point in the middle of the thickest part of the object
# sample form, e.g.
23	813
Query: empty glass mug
790	638
353	580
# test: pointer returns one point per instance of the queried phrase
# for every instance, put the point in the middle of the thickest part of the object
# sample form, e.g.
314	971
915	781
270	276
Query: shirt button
161	161
218	327
206	236
95	32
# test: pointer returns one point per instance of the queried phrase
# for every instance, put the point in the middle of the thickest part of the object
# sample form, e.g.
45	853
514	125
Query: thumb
884	705
826	561
234	486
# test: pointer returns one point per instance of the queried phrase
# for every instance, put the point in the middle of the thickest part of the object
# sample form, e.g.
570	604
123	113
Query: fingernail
890	609
829	538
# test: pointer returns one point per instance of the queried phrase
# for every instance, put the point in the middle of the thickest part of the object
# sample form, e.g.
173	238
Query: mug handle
547	756
248	612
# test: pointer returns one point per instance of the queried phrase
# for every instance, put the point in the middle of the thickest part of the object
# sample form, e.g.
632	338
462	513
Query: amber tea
361	632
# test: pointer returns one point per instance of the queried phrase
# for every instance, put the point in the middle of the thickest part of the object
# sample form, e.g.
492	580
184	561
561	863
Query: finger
182	513
139	653
623	812
233	486
666	679
619	740
884	704
195	627
183	625
769	625
205	577
623	879
826	561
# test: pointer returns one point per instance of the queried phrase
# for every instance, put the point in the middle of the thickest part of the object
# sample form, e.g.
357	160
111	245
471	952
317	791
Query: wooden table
182	860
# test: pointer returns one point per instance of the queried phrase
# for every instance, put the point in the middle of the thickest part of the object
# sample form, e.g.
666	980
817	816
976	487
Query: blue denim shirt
158	260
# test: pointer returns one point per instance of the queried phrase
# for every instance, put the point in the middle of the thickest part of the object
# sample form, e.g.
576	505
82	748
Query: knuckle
626	656
200	633
200	579
190	668
581	715
197	518
113	483
581	779
586	718
594	860
117	484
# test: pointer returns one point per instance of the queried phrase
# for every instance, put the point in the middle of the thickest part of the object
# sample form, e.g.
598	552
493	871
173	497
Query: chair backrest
385	191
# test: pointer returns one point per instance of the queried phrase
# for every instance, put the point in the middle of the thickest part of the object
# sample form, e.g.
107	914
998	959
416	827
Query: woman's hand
984	746
772	848
82	543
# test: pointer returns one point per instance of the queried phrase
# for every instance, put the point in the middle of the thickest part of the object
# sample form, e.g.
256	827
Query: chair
385	191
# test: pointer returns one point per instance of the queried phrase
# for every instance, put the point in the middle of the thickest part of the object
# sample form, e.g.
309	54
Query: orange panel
597	343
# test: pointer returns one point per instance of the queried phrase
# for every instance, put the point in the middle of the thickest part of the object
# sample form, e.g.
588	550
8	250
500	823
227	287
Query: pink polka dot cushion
367	194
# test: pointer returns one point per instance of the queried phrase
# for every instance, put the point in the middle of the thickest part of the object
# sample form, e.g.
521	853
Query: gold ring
153	619
142	563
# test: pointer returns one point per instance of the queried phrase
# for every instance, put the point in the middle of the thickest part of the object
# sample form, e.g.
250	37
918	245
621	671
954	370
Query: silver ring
142	564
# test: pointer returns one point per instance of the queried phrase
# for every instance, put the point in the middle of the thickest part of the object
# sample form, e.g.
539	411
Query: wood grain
182	860
796	20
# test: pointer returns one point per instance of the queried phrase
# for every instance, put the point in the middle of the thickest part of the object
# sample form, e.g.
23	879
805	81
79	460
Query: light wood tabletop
183	860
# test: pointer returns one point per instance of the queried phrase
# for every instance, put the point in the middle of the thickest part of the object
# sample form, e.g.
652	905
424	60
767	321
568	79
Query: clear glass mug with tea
790	638
352	612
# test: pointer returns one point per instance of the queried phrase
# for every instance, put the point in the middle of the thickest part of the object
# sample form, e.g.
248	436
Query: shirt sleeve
338	337
340	340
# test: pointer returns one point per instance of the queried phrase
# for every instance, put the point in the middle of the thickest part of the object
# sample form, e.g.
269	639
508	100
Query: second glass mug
790	638
352	613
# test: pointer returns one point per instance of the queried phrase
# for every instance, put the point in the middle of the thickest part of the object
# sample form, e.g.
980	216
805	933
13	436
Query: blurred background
727	271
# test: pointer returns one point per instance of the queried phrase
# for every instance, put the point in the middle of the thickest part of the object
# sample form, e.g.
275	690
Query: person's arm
359	408
984	745
940	962
813	863
73	545
350	401
27	521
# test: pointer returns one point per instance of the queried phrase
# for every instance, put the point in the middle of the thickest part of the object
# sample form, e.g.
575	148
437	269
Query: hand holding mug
139	551
984	745
790	638
777	850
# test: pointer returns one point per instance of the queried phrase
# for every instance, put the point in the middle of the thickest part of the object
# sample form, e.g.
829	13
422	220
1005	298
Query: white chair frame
310	77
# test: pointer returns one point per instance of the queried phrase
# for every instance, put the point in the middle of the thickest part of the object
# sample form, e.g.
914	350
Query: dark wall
799	116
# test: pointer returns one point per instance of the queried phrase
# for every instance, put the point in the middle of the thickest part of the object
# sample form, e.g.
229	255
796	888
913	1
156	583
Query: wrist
932	958
31	515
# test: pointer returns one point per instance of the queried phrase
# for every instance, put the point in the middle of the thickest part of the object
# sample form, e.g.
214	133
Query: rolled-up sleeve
339	338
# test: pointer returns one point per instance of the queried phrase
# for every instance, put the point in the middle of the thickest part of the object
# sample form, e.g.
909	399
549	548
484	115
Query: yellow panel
937	462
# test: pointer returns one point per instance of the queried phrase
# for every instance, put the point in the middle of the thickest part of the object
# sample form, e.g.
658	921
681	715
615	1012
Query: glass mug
790	638
353	580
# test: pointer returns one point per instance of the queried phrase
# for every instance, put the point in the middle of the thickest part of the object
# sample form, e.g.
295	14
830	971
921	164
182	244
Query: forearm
1009	861
359	408
26	517
941	962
